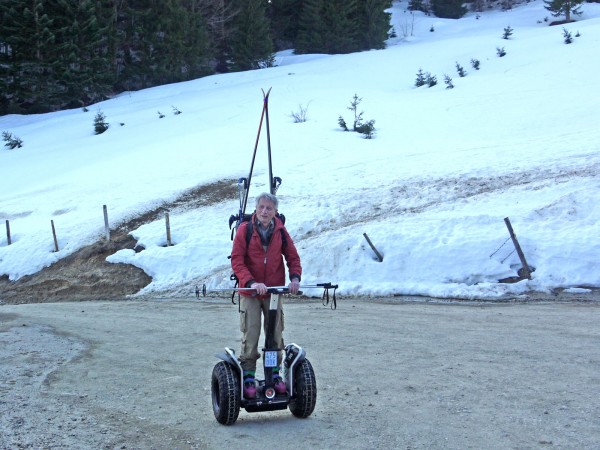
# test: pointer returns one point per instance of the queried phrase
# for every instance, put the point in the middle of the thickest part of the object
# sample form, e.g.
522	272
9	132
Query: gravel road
391	374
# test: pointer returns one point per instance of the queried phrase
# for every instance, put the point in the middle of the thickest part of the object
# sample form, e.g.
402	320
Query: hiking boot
280	387
249	390
249	385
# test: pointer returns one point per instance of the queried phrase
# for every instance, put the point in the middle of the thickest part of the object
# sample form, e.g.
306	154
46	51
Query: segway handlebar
277	290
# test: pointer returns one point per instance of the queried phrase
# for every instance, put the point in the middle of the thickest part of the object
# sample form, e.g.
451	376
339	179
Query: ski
244	183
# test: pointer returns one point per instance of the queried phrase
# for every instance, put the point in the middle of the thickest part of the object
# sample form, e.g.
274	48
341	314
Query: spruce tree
341	20
251	45
80	67
563	7
284	16
311	28
26	29
448	9
374	23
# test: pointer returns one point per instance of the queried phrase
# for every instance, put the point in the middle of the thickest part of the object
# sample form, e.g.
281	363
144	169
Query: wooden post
379	255
8	233
525	269
106	228
54	235
168	230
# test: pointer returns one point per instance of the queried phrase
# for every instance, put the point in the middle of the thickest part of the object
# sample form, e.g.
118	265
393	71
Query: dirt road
403	375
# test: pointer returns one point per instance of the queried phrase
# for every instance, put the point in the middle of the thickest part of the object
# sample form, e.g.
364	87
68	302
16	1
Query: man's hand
294	286
261	288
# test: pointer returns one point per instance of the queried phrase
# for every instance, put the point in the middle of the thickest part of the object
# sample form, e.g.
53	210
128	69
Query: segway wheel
305	390
225	389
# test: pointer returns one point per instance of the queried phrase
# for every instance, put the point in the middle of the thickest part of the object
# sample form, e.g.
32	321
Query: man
258	264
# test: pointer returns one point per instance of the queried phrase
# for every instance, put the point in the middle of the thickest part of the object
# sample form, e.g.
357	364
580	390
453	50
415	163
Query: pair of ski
244	183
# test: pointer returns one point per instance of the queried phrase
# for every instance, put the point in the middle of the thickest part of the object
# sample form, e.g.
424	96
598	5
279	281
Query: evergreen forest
59	54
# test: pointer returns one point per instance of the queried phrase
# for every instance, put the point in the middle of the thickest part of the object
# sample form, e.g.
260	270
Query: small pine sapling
11	141
342	123
431	29
461	70
420	81
508	31
578	34
475	63
448	81
430	80
567	36
367	129
354	108
100	124
500	51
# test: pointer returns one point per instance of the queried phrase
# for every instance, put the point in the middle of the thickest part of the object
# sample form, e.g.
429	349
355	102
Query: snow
519	138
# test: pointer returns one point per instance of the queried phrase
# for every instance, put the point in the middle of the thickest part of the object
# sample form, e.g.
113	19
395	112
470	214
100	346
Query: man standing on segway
258	263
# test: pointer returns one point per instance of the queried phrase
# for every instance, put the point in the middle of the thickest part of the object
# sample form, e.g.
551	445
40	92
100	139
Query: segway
227	377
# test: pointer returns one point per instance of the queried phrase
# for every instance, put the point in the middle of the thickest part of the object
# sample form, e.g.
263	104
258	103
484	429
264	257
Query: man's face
265	211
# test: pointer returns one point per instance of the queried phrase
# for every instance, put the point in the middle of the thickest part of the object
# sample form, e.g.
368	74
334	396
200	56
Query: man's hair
267	196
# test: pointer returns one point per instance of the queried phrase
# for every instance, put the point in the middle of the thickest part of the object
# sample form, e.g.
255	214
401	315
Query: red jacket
254	263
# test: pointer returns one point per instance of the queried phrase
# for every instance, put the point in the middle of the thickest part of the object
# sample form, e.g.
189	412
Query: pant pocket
243	322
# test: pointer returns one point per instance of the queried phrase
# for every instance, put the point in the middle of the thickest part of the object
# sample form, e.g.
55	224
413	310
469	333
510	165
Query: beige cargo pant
251	312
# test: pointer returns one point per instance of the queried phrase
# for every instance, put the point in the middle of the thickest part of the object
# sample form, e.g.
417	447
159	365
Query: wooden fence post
525	271
379	255
54	235
106	228
168	225
8	233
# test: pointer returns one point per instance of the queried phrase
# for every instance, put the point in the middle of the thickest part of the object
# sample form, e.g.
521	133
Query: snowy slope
519	138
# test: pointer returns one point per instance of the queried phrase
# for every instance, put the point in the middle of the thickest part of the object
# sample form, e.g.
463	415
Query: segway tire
225	389
305	391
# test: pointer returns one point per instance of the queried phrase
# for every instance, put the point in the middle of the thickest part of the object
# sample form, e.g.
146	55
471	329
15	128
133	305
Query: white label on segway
270	359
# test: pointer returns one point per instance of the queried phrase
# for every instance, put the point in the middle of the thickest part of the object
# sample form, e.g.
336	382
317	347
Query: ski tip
266	94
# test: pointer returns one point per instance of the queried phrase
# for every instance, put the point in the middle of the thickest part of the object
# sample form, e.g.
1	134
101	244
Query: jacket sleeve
292	258
238	256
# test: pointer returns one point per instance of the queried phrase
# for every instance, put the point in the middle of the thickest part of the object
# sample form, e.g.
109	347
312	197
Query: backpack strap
250	229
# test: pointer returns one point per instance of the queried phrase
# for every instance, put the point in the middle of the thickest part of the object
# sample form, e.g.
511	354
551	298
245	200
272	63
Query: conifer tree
563	7
25	29
448	9
311	28
284	16
341	20
251	45
374	23
80	66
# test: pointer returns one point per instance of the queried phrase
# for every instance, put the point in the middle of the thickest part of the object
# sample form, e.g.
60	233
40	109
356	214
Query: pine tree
342	26
448	9
341	21
311	28
563	7
374	24
251	45
25	29
80	67
219	16
284	16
